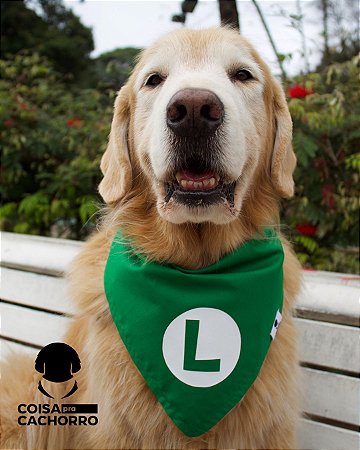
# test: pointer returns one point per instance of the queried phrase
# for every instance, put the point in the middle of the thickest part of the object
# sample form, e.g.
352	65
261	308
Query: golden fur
130	417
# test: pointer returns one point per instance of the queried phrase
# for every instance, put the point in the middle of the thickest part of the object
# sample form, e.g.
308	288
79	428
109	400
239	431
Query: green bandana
198	337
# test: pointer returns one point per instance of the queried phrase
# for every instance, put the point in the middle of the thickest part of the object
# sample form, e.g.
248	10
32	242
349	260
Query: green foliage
57	34
326	141
52	141
113	68
308	243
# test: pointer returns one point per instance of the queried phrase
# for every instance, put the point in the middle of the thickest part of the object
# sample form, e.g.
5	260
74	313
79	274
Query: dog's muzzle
194	118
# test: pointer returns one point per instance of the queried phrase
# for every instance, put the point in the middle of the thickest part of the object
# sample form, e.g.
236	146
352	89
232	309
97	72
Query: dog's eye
154	80
242	75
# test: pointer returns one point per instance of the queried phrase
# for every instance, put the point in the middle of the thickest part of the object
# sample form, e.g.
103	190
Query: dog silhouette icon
57	362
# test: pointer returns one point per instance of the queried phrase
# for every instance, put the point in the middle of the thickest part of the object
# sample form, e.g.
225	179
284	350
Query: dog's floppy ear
283	158
115	163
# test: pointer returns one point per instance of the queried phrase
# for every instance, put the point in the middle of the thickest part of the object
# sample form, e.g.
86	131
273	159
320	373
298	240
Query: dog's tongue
187	175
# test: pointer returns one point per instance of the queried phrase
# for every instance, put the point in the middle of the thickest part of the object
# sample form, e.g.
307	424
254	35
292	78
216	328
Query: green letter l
190	361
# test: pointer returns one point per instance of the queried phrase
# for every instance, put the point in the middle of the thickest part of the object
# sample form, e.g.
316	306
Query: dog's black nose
194	112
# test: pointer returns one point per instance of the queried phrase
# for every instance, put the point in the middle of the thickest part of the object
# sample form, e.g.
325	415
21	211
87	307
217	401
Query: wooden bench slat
329	345
31	326
331	395
7	348
33	289
37	254
315	435
327	296
331	297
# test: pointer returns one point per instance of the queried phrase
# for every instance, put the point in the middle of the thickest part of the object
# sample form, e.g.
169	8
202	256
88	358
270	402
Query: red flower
9	123
306	229
74	122
298	91
327	193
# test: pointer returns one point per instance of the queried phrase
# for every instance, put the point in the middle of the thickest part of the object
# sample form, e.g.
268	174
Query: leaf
87	209
297	17
22	227
305	147
8	210
303	257
308	243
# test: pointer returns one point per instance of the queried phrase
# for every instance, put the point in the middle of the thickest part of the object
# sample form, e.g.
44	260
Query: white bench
35	309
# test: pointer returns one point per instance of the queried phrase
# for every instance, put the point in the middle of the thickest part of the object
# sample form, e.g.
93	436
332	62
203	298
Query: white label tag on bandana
276	324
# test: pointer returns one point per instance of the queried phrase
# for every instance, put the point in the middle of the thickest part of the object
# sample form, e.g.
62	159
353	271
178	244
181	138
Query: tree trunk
325	13
229	13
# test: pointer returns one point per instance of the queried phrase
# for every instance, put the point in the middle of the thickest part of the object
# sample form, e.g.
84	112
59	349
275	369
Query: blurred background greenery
55	113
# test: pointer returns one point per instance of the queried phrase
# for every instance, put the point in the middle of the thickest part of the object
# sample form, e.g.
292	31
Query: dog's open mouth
199	189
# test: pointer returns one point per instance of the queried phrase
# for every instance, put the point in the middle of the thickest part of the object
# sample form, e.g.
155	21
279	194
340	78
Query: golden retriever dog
198	159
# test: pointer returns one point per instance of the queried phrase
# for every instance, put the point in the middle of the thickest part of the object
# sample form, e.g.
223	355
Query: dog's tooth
206	183
190	183
198	184
212	182
183	183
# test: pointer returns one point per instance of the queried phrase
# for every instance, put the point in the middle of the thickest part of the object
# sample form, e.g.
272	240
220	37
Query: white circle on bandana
218	338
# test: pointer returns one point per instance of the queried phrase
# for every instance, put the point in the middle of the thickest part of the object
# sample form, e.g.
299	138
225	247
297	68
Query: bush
112	69
52	138
326	111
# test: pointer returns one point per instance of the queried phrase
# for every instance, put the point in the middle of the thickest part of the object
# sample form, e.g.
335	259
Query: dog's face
201	114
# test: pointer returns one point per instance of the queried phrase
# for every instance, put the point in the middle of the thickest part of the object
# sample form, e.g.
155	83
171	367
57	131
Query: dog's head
201	117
